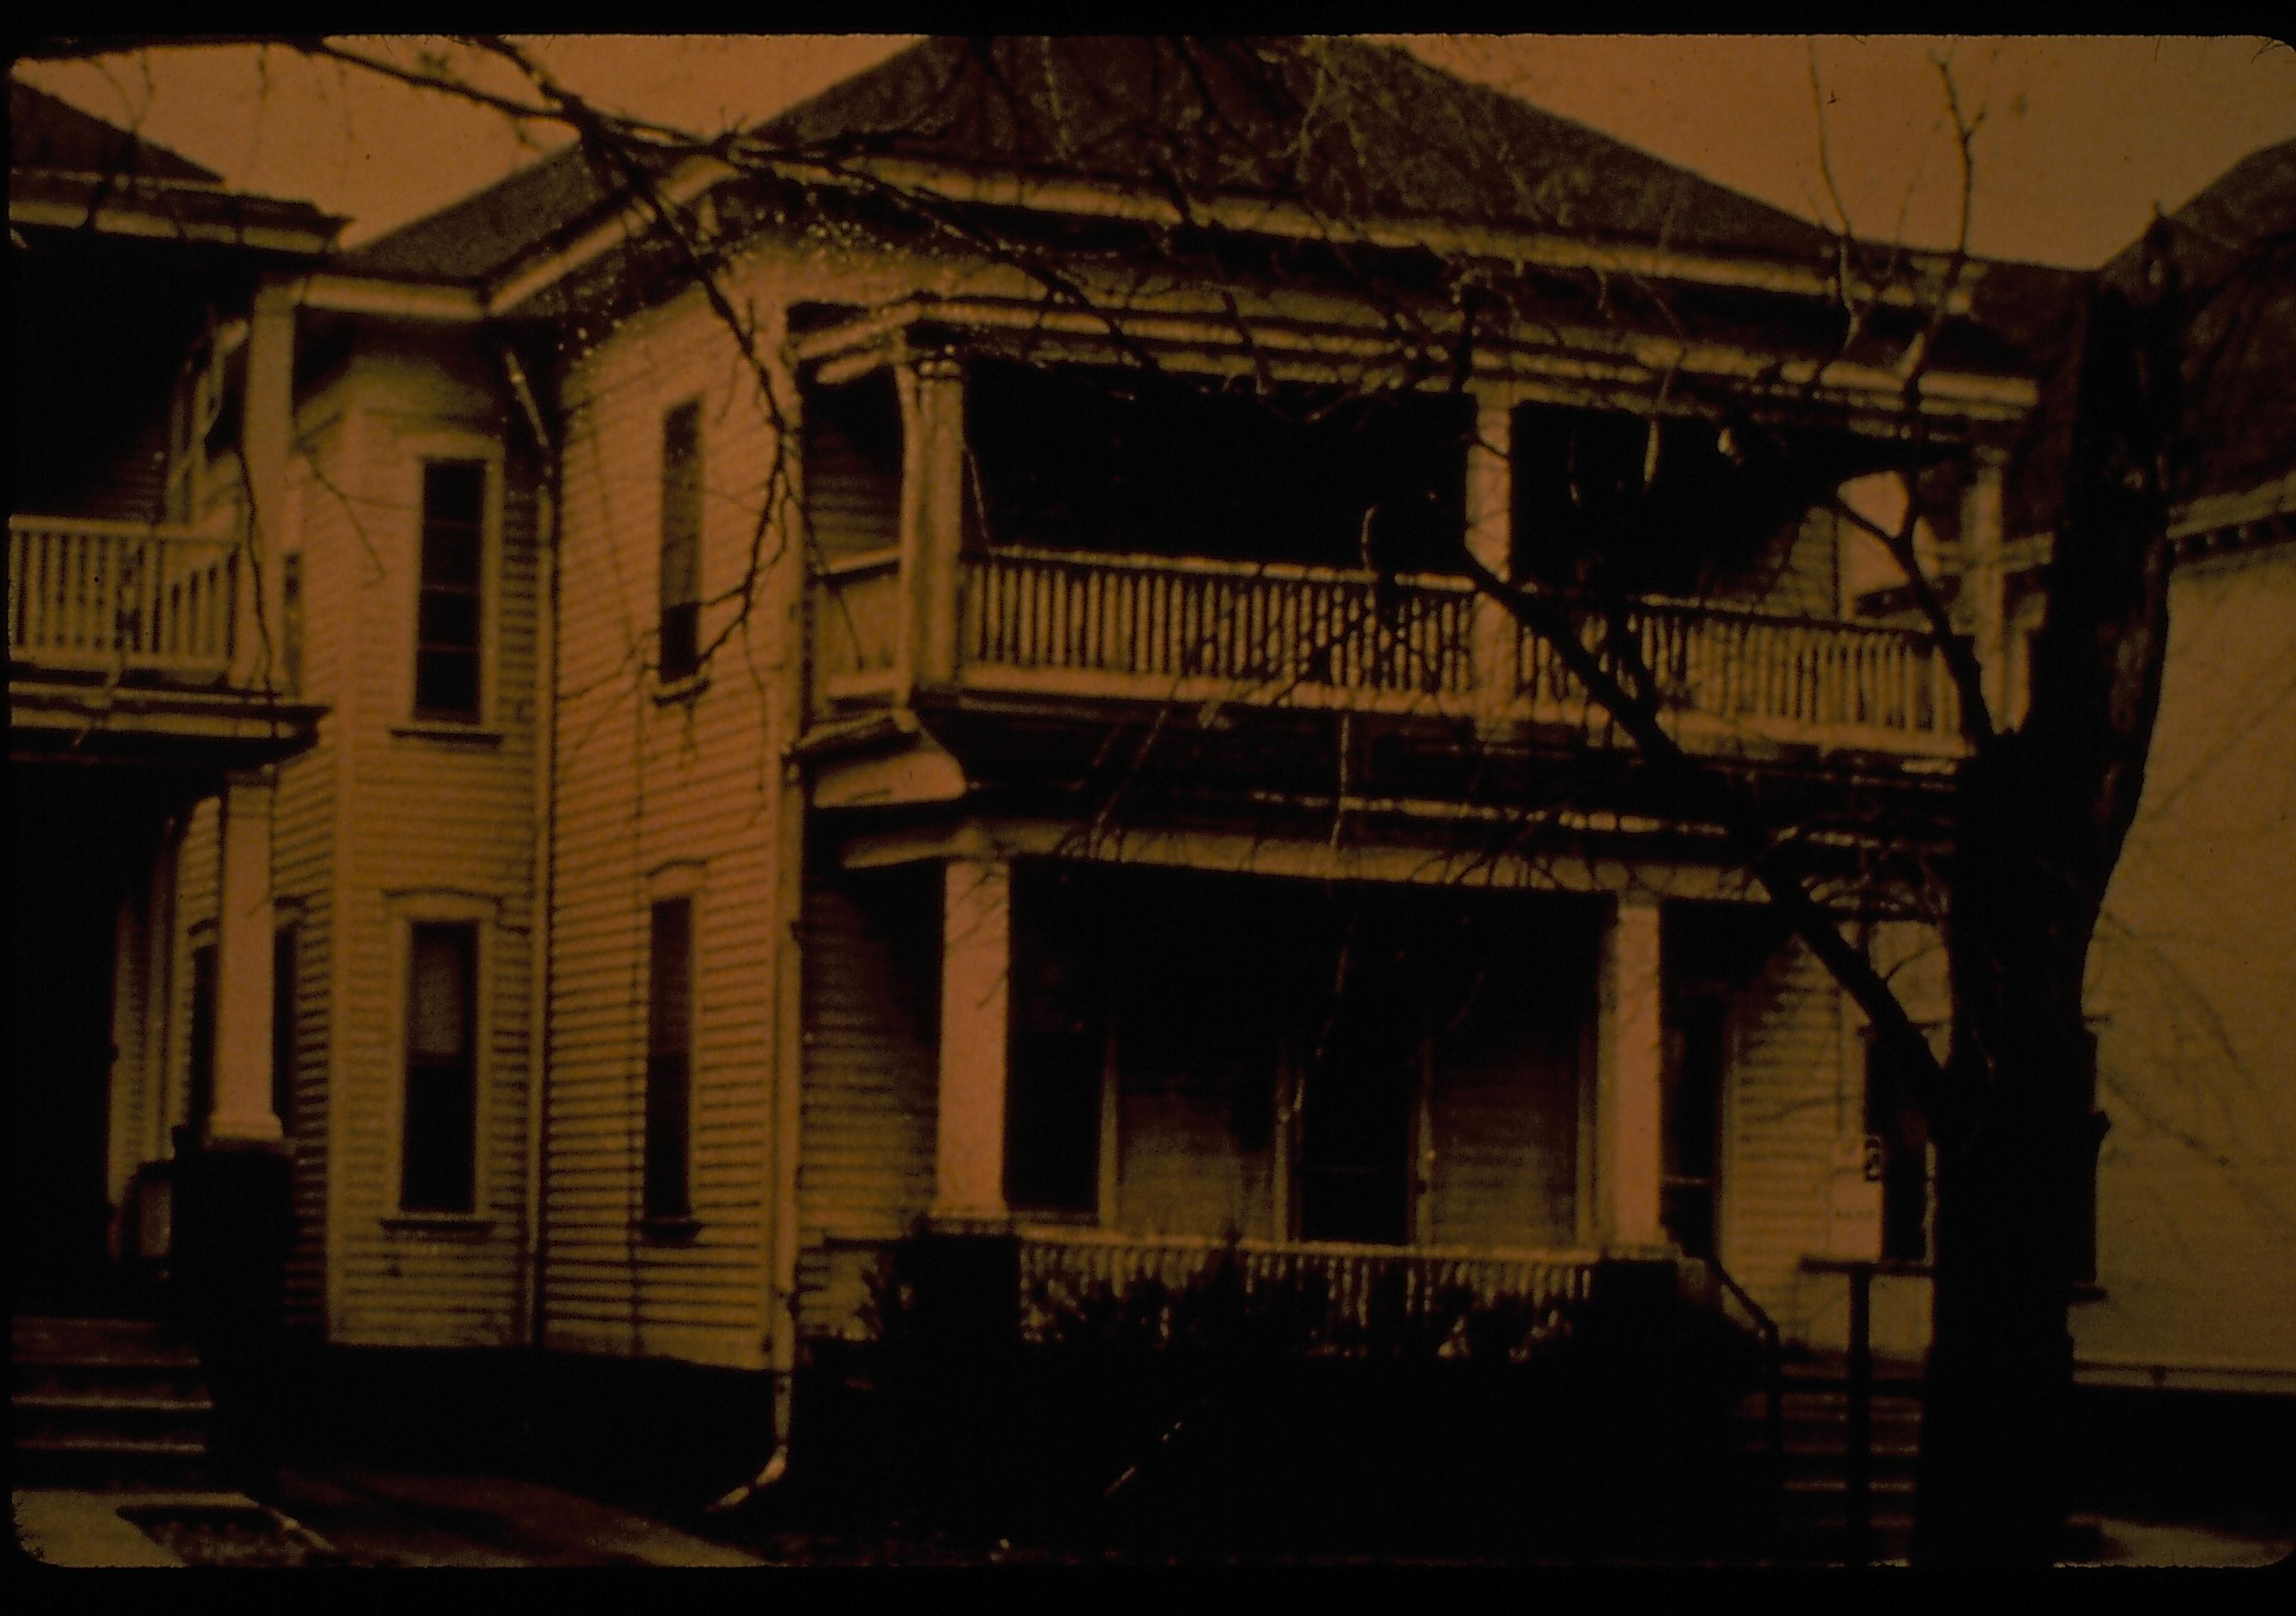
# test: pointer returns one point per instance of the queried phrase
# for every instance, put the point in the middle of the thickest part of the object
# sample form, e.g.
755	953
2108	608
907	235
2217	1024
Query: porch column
1982	578
243	928
932	389
266	437
1627	1096
1490	540
976	968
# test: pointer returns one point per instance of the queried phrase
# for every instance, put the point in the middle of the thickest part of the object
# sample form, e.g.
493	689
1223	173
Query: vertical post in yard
1858	1499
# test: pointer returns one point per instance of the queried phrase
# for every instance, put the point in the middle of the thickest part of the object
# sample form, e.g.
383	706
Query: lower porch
1379	1108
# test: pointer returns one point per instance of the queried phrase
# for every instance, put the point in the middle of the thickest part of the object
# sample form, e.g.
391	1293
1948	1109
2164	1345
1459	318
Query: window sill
670	692
440	1226
453	733
669	1231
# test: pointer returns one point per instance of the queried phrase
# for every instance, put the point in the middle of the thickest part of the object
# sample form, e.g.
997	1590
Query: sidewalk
366	1515
357	1515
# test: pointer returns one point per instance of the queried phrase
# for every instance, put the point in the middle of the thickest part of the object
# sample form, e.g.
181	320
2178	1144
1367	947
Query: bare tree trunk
2044	809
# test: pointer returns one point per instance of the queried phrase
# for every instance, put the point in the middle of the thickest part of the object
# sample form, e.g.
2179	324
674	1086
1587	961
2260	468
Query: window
1893	1117
681	541
438	1163
201	1102
1056	1051
283	1027
449	608
291	623
669	1062
1690	1185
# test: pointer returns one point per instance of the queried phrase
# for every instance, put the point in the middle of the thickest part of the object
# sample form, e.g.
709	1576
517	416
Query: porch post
1627	1099
266	437
1490	540
975	978
243	937
1982	577
932	389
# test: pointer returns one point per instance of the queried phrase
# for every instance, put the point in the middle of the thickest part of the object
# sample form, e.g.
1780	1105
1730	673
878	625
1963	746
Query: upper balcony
1060	625
1046	537
141	637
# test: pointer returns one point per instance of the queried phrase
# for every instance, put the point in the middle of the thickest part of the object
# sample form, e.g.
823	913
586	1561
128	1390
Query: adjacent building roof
70	171
47	134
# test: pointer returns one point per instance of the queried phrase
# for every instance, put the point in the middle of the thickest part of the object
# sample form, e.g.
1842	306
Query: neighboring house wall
2194	981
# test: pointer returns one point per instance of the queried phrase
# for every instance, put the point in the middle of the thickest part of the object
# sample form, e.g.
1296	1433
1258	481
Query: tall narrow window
681	541
1690	1188
439	1165
200	1104
283	1027
1893	1117
669	1060
449	611
290	621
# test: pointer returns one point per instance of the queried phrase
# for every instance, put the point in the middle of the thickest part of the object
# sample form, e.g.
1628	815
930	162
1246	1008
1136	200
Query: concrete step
97	1341
43	1414
164	1377
112	1463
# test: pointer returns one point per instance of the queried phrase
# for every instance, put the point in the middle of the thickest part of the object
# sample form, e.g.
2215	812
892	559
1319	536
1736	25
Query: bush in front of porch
1232	1413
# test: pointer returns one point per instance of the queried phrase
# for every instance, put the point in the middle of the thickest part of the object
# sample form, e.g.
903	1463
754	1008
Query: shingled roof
2236	249
47	134
1354	130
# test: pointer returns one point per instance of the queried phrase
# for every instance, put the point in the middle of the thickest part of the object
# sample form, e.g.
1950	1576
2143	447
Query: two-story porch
152	623
131	700
1276	895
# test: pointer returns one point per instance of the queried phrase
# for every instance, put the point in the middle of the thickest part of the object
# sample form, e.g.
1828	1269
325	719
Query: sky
2077	139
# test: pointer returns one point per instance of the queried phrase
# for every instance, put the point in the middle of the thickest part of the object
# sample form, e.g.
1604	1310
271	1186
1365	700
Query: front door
1358	1102
62	910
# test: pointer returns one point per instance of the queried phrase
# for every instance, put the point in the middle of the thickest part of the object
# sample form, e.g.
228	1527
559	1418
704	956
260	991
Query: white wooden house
937	756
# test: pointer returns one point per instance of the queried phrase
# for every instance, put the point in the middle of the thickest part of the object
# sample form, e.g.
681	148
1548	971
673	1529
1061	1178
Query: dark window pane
449	614
448	620
681	537
438	1163
668	1086
201	1100
454	491
450	556
681	641
283	1027
669	1021
1052	1115
447	684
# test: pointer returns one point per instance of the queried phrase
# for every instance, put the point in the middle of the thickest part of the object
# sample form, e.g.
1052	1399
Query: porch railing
85	595
1062	624
1275	629
1767	671
1354	1292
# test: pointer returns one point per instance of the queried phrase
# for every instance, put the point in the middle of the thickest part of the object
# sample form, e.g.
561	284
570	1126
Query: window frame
478	914
423	452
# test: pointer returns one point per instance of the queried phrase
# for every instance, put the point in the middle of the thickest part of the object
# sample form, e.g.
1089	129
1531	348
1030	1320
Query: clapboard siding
865	1154
374	823
653	787
1789	1095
